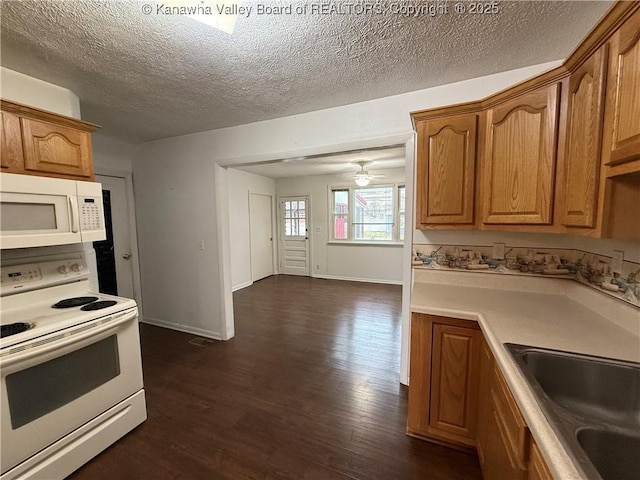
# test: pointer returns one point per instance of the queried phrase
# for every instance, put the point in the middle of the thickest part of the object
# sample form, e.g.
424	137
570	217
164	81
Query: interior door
261	233
294	236
113	255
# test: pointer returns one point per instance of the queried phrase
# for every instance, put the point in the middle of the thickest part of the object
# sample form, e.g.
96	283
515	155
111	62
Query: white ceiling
144	77
344	163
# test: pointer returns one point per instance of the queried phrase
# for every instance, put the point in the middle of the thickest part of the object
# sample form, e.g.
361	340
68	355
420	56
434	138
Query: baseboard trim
201	332
357	279
241	286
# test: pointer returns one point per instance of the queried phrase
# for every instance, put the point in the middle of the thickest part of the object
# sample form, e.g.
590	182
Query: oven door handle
67	341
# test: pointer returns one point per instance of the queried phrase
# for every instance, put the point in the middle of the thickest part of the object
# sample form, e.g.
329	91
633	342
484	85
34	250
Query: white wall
175	212
240	185
374	263
37	93
111	154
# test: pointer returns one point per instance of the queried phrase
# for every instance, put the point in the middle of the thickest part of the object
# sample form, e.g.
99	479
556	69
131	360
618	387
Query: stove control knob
63	269
77	267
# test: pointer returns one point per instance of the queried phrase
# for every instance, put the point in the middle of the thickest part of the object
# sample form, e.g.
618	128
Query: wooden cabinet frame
37	142
458	397
583	189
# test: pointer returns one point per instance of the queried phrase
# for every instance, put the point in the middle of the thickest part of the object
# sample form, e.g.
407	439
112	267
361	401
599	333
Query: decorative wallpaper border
591	269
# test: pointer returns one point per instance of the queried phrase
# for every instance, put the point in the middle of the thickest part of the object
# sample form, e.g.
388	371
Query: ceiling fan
363	177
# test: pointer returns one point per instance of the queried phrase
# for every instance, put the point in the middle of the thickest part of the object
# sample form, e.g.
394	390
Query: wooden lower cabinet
538	469
444	379
484	405
459	397
508	438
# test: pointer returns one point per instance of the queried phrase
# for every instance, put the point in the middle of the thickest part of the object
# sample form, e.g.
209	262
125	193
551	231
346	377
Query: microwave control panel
91	217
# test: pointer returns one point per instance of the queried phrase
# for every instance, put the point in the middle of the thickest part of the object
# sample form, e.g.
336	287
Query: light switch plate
498	251
616	261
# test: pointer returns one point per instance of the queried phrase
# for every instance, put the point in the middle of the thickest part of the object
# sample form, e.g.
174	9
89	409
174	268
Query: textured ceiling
144	77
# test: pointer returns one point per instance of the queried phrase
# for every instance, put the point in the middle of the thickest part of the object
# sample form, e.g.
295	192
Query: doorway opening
113	255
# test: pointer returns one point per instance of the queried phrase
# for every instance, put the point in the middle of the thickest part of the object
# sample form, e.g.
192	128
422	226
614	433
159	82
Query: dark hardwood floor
308	389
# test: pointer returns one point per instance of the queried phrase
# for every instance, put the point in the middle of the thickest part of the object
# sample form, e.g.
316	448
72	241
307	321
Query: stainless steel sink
592	403
610	452
605	389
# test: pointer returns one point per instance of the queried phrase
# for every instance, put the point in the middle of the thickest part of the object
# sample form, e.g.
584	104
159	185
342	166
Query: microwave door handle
72	339
75	219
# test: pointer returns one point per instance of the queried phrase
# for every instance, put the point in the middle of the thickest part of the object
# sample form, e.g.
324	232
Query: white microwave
42	211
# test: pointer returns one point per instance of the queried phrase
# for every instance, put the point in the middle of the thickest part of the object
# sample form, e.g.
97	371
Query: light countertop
544	312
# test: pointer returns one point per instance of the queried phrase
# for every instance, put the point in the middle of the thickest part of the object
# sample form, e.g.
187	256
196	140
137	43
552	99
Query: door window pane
294	218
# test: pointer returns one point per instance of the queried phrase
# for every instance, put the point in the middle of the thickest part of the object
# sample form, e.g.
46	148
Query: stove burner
74	302
99	305
14	328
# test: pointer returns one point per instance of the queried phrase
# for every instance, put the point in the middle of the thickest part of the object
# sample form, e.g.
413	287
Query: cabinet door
508	438
519	159
622	121
579	205
446	170
11	138
50	148
454	383
500	461
484	405
443	379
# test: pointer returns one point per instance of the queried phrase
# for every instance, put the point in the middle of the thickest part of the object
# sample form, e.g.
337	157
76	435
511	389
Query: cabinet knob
126	256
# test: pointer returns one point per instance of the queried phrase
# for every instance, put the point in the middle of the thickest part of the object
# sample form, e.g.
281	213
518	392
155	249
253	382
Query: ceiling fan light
362	180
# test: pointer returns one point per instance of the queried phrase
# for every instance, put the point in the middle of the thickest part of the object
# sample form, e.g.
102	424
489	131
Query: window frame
350	214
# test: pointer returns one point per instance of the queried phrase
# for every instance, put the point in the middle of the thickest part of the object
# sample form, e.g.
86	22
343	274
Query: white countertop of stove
36	307
550	313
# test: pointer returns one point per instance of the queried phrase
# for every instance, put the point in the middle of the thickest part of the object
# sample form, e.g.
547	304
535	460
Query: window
295	224
368	214
340	214
401	204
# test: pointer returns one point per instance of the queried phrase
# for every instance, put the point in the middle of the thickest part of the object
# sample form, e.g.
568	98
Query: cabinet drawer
538	469
510	419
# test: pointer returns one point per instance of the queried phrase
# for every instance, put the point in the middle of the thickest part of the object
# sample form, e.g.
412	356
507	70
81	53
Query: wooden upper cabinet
11	148
50	148
622	120
578	206
445	182
37	142
519	159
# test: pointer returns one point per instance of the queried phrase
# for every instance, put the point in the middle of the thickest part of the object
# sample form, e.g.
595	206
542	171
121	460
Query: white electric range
70	368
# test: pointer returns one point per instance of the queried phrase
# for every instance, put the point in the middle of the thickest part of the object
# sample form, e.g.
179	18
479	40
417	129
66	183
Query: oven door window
43	388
